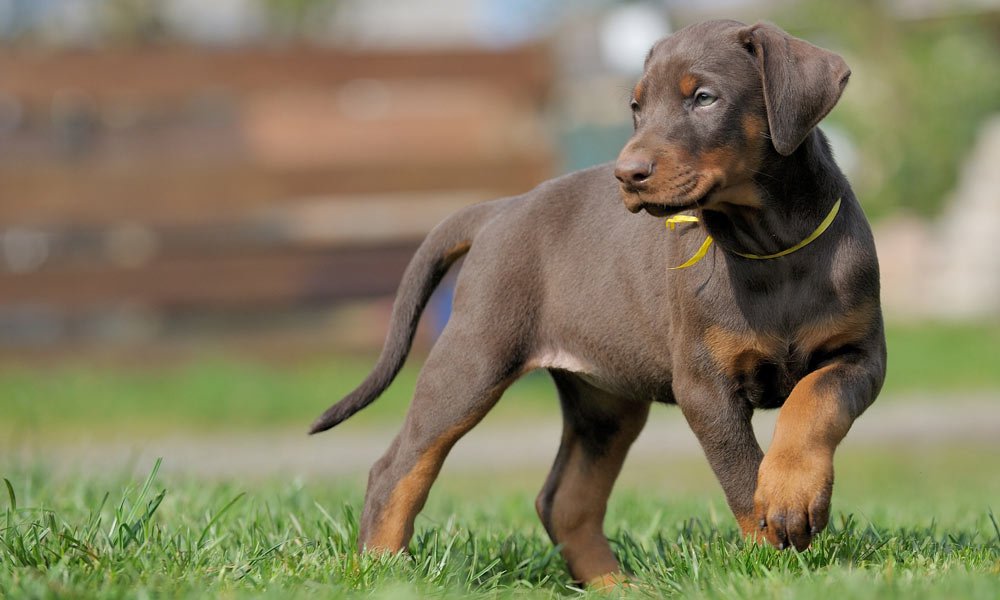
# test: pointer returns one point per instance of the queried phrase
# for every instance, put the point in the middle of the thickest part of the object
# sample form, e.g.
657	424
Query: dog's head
715	100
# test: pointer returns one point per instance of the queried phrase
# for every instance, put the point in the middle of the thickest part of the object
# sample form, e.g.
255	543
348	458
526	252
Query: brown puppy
564	278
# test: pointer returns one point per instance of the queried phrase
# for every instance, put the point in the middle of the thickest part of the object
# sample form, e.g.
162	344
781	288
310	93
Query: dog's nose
633	172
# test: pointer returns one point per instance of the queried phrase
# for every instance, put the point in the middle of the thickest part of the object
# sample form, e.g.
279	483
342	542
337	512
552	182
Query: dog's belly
617	380
563	360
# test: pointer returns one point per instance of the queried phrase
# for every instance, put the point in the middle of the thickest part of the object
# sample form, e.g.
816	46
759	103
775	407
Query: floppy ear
801	82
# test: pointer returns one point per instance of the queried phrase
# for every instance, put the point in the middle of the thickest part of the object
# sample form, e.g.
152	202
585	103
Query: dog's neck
795	193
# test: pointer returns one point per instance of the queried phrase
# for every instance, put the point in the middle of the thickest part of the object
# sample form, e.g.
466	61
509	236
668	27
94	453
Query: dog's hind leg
598	429
462	379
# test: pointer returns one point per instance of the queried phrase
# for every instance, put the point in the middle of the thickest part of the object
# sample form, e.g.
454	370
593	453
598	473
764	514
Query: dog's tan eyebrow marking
637	92
688	84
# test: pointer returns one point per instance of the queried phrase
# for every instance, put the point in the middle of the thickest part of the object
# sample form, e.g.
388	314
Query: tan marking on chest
836	330
739	351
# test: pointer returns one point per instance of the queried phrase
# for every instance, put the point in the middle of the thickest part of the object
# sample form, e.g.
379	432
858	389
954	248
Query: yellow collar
700	254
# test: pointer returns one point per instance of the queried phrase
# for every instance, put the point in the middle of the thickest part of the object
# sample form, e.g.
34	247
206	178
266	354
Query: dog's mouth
636	200
666	210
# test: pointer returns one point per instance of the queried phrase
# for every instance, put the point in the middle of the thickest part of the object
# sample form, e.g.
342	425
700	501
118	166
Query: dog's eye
704	99
635	105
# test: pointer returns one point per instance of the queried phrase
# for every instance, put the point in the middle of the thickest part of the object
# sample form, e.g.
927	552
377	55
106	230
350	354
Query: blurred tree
919	92
298	19
131	21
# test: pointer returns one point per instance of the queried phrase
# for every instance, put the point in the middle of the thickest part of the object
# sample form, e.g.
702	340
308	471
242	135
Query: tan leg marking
750	527
795	480
610	582
409	495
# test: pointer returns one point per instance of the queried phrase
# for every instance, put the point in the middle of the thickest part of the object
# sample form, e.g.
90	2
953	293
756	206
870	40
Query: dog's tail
445	244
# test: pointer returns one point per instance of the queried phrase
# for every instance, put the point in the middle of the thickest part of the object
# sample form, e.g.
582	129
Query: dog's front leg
792	501
723	427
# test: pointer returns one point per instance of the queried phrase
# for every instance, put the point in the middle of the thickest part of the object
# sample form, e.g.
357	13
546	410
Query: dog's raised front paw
792	501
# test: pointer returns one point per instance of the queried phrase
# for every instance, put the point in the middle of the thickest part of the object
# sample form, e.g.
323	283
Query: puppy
765	294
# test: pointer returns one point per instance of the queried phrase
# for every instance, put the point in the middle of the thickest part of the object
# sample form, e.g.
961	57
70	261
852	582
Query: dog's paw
750	528
792	501
610	582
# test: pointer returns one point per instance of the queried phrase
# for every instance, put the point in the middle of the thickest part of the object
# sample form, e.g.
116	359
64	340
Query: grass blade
993	520
215	519
144	491
13	497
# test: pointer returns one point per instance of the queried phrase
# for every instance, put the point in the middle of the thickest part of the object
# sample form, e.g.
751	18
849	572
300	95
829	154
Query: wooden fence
192	180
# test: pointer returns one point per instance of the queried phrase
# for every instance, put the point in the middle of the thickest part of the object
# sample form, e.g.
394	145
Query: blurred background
206	207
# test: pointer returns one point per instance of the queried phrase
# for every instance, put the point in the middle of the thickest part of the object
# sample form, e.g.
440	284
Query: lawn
913	524
215	393
911	519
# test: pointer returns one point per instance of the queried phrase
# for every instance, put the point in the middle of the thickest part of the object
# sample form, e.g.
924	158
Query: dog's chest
761	368
767	383
765	344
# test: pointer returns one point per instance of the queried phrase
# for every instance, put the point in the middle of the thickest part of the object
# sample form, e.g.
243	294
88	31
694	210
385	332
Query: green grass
912	523
215	394
943	357
906	525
